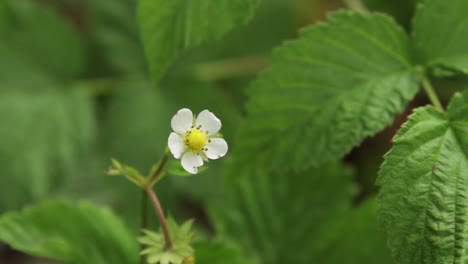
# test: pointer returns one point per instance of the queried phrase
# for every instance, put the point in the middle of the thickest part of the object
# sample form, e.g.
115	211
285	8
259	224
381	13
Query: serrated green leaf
74	234
169	27
277	217
440	30
325	92
424	181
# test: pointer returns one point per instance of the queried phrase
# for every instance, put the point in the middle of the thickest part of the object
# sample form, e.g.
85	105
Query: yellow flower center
195	140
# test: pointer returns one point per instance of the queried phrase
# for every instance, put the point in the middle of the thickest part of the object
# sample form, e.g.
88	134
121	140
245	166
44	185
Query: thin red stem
162	218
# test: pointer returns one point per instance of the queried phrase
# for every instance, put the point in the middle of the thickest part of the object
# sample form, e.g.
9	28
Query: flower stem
144	202
162	218
160	168
144	218
432	94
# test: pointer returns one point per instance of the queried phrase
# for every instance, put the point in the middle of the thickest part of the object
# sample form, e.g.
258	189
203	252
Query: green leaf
219	251
169	27
71	233
327	91
42	37
44	137
424	181
440	30
277	217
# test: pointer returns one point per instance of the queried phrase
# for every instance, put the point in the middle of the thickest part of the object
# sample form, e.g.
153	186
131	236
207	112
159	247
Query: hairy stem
144	202
144	218
432	94
162	218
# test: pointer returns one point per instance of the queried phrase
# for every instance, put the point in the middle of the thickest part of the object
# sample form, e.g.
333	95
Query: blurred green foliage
75	90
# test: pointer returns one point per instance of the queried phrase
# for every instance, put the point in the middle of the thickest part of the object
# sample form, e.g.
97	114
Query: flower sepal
181	252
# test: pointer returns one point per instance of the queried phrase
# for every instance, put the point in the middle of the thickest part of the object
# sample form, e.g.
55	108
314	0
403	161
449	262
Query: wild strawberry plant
285	194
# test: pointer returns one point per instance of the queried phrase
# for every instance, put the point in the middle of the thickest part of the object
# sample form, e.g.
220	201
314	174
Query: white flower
194	138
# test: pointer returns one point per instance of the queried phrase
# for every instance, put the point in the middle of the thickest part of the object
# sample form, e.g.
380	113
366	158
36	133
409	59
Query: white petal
182	121
208	122
216	148
191	161
176	145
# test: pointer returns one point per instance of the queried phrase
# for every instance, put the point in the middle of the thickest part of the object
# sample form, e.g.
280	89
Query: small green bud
113	172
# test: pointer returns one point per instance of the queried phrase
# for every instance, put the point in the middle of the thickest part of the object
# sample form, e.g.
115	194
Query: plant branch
162	218
432	94
356	5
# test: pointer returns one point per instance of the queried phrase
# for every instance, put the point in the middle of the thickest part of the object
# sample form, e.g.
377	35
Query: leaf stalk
431	94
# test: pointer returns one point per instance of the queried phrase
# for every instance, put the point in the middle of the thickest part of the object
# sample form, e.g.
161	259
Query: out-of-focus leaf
78	234
277	217
115	35
401	10
219	252
440	30
353	238
137	124
43	137
326	92
169	27
44	38
424	181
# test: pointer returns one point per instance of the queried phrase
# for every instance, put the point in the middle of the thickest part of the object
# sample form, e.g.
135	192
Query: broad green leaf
337	84
424	181
42	37
277	218
440	30
207	252
44	137
169	27
71	233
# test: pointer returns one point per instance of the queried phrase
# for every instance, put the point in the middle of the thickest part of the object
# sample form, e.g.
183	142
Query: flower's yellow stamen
195	140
